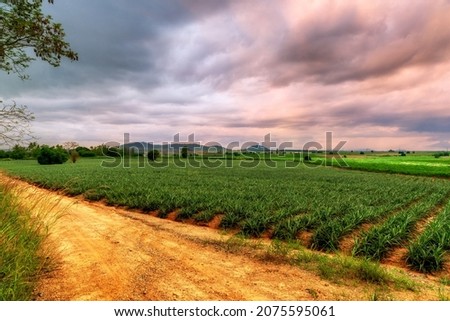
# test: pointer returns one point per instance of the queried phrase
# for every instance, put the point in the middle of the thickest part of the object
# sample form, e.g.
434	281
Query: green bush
437	155
85	152
153	155
18	152
52	155
184	152
4	154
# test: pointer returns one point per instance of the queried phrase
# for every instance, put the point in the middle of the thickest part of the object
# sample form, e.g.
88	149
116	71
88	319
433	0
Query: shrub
18	152
85	152
4	154
74	156
184	152
153	155
109	151
437	155
51	155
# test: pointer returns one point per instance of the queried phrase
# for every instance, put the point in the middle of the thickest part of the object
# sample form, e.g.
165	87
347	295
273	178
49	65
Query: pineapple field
359	213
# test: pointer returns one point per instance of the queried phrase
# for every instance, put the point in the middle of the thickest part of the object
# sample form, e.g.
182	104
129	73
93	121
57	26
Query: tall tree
23	25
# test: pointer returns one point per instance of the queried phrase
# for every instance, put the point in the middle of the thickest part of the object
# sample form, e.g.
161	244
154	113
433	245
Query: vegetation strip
427	253
376	243
20	243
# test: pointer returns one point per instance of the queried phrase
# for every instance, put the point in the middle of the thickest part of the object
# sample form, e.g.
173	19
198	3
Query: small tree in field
184	152
153	155
74	156
71	150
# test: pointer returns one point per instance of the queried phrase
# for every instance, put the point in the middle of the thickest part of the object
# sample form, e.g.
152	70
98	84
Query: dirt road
103	253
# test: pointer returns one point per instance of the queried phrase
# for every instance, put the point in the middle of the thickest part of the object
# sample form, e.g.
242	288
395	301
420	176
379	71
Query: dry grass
24	225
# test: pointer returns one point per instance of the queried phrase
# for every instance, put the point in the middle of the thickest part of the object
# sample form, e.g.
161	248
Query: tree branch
15	124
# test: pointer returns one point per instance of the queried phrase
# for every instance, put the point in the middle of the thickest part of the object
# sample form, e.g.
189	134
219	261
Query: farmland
323	206
424	164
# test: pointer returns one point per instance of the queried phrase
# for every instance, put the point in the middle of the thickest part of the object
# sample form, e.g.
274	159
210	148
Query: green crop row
427	253
378	241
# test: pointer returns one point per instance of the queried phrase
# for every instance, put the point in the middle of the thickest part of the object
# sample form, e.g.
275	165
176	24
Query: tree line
57	154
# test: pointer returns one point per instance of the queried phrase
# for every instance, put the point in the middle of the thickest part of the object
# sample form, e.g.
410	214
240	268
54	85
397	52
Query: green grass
337	269
445	281
420	165
340	268
20	242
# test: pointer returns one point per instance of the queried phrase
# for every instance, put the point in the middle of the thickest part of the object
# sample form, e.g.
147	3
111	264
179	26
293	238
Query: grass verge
332	267
20	242
24	220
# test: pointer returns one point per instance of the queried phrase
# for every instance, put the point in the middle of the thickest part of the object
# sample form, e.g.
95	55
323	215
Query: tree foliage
153	155
184	152
52	155
85	152
18	152
23	25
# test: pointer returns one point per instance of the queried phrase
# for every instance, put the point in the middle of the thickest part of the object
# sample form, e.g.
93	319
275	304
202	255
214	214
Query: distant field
326	204
423	165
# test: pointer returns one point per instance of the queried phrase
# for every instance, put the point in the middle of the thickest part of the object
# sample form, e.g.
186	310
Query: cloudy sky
375	73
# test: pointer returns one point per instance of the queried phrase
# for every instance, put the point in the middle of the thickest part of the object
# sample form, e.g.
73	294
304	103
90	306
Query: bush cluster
153	155
52	155
437	155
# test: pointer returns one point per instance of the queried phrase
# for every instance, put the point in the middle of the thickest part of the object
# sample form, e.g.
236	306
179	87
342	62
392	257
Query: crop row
378	241
427	252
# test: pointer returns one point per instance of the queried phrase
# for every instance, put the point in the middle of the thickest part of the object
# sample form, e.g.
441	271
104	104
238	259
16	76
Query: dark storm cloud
372	115
338	43
347	44
117	42
243	68
134	44
429	124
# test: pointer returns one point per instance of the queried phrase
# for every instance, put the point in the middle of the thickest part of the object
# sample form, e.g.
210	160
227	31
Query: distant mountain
256	148
143	147
138	147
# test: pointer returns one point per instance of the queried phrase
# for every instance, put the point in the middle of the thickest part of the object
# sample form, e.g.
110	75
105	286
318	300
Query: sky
374	73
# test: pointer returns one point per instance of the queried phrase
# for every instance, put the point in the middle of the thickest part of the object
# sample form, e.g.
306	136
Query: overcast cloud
375	73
